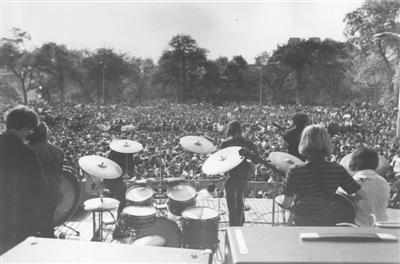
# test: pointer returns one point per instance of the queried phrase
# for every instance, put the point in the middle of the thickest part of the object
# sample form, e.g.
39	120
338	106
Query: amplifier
38	250
287	245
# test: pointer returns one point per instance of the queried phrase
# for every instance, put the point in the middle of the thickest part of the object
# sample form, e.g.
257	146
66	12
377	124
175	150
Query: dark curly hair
363	159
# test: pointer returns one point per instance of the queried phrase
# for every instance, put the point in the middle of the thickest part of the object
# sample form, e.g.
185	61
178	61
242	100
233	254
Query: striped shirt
313	184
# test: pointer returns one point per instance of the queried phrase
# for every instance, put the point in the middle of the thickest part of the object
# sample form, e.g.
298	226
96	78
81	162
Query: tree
317	68
372	18
235	77
15	57
182	66
104	67
59	63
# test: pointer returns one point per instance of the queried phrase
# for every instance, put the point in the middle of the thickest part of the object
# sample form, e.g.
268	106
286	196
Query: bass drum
164	228
69	197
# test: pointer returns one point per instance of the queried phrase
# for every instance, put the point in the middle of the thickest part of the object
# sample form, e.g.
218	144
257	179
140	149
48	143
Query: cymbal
222	161
382	169
100	167
126	146
284	161
104	203
197	144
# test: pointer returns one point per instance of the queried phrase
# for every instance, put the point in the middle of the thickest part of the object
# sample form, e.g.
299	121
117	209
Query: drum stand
98	233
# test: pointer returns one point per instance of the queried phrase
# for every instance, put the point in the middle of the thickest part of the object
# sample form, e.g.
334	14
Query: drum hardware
99	205
70	193
200	228
180	197
126	147
284	161
100	168
197	144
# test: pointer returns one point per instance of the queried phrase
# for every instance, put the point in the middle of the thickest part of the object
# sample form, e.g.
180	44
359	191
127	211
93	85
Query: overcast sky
143	29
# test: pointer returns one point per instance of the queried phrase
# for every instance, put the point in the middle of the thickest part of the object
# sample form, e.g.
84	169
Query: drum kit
168	218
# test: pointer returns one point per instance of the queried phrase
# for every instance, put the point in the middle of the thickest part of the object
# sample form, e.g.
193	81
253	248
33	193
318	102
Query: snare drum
138	216
200	228
180	197
165	228
139	195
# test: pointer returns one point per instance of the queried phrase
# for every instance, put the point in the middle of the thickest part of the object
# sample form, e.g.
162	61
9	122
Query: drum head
164	228
200	213
181	192
139	210
139	194
69	198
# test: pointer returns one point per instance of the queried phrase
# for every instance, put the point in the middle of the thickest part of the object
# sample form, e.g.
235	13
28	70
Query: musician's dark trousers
235	188
118	190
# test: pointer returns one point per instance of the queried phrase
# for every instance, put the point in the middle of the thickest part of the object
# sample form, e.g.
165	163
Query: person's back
21	180
364	161
377	197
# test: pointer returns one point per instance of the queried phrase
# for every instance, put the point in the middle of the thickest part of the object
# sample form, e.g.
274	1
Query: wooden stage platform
259	214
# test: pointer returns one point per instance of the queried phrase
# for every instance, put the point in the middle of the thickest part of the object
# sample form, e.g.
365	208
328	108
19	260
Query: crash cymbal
382	169
284	161
197	144
222	161
126	146
100	167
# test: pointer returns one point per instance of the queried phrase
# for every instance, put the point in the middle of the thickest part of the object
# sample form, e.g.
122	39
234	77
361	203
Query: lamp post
261	85
392	35
104	83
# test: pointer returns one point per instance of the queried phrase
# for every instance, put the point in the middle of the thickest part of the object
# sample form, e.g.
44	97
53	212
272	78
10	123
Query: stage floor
259	213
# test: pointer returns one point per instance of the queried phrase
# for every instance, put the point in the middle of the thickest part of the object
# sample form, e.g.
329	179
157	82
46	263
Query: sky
143	28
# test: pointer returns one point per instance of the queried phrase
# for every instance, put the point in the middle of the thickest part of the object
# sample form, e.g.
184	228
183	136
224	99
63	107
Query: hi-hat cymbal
284	161
126	146
100	167
197	144
222	161
383	165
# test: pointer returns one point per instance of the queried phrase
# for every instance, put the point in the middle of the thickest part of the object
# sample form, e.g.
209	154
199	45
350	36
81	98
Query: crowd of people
81	130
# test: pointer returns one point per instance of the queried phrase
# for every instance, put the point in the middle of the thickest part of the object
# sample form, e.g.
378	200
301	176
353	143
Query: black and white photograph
209	132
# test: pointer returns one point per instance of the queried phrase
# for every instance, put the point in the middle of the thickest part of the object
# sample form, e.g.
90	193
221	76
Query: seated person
312	186
210	192
377	189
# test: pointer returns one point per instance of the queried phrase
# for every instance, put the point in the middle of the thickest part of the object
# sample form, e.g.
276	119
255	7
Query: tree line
306	71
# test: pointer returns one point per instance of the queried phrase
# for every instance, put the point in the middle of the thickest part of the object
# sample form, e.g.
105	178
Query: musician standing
315	183
51	159
292	136
377	189
236	183
21	180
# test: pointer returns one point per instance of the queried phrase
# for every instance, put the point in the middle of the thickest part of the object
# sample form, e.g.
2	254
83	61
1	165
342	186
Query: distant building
293	41
316	40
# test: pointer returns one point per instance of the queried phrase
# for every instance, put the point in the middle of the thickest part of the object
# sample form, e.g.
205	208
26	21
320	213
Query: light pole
392	35
103	82
261	85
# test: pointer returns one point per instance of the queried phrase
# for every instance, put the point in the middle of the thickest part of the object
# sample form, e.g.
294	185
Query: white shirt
396	164
377	191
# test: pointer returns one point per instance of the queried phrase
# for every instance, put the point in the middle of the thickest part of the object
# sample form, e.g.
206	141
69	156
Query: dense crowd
88	129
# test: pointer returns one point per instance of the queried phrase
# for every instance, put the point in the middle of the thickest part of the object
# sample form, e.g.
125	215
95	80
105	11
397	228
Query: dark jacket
51	159
21	187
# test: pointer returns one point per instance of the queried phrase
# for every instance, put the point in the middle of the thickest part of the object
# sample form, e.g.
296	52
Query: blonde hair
315	142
